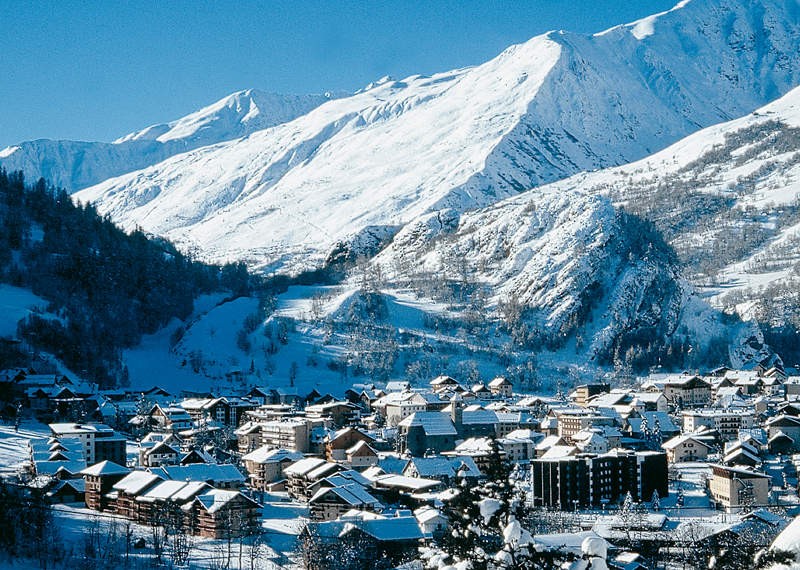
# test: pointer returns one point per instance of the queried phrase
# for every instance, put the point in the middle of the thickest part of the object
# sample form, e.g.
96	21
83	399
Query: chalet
500	387
68	491
786	425
224	514
339	413
583	393
781	443
481	391
329	503
100	478
431	521
159	454
169	418
124	492
337	444
248	436
397	406
444	469
394	539
424	431
299	477
683	448
443	383
361	455
219	476
683	391
265	465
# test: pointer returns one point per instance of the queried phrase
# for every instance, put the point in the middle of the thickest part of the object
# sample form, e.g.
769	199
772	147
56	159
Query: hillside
284	197
728	200
76	286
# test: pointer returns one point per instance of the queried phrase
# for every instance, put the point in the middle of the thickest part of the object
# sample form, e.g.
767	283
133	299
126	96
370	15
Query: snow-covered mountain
76	164
284	197
727	198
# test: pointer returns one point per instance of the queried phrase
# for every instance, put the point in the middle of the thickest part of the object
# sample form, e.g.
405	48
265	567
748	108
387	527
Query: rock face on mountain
556	105
73	165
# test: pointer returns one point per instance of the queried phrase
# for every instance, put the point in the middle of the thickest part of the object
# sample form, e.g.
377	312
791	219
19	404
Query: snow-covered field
14	444
16	304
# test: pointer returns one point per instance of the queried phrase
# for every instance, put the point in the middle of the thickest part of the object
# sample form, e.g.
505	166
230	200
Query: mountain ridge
561	103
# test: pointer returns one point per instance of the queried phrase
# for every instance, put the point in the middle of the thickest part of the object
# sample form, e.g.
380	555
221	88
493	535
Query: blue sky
98	70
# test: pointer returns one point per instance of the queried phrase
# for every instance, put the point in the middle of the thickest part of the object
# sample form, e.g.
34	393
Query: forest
105	288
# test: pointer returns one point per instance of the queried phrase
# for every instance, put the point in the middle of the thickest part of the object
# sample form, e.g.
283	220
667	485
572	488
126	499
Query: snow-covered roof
433	423
203	472
351	493
136	481
681	439
267	454
403	482
162	491
105	468
394	528
215	499
560	451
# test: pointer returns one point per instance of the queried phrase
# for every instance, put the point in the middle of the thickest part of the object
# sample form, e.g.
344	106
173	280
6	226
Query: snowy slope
727	198
75	164
282	198
574	264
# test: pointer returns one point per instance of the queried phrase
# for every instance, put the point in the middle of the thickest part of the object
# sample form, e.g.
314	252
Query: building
99	442
266	465
726	421
500	387
224	514
100	478
571	482
735	488
291	434
422	432
585	392
683	448
683	391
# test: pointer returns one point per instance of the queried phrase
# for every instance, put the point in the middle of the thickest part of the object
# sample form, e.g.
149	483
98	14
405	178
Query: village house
397	406
329	503
339	414
248	437
221	476
337	444
222	513
683	448
501	388
422	432
266	465
683	390
788	426
159	454
361	455
734	488
585	392
100	478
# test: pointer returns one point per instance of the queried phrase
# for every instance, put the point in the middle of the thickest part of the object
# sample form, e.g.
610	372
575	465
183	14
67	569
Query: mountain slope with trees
105	288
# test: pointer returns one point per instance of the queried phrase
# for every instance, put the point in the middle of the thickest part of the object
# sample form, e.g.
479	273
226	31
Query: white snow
16	304
558	104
